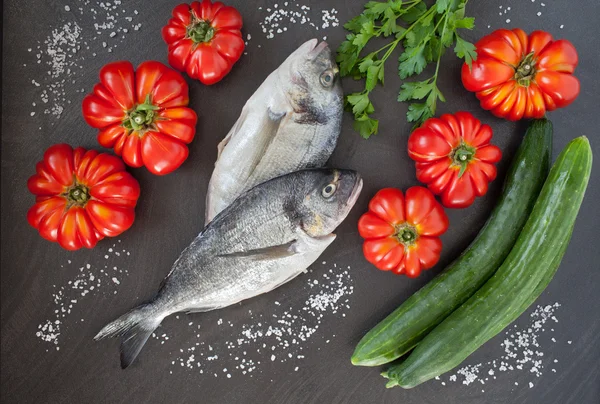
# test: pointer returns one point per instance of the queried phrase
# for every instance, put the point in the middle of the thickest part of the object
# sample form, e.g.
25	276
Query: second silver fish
291	122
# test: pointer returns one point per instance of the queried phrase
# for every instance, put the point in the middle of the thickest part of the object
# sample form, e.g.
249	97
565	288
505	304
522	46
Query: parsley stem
440	53
414	3
392	45
397	40
385	47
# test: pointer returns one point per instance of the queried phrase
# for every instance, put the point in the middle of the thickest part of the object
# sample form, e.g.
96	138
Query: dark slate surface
170	214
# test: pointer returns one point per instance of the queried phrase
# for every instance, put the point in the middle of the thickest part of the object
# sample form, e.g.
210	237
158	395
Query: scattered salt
283	331
504	11
522	351
87	281
279	19
67	45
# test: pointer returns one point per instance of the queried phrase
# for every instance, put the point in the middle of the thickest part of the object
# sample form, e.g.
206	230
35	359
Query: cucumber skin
420	313
524	275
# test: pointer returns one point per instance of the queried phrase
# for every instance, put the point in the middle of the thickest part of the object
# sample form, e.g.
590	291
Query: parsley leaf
389	26
418	112
423	33
355	25
416	90
376	8
413	14
359	102
466	23
374	73
442	5
412	61
465	50
366	125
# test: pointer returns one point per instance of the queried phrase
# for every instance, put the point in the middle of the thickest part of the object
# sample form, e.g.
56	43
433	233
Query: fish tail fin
134	328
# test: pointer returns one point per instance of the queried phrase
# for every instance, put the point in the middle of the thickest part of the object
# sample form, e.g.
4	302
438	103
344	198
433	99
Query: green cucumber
411	322
522	277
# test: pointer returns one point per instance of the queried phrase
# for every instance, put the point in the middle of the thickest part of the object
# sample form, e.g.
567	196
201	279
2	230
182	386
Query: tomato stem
200	31
77	194
461	156
141	117
406	234
525	72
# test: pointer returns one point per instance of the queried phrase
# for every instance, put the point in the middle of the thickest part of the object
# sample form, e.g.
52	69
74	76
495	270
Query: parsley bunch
425	34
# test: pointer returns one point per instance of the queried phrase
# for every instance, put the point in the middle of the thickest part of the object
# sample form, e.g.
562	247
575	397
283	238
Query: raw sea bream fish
265	238
291	122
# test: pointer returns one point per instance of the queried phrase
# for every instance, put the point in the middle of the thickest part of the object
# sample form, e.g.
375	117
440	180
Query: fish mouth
358	185
306	47
317	49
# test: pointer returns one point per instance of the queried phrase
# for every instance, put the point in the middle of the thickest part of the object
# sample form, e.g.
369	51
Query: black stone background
170	214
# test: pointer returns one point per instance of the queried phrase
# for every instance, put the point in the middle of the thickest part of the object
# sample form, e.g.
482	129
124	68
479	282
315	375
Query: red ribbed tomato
518	76
81	197
205	39
454	157
402	233
142	114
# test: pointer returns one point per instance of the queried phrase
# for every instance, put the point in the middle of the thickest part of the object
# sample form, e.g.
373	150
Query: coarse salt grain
522	350
66	47
283	331
278	19
87	280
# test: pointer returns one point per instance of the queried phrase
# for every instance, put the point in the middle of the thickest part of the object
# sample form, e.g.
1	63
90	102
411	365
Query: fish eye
329	190
327	78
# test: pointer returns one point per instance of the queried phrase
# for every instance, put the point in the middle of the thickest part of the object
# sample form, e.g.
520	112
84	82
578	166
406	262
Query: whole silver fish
291	122
265	238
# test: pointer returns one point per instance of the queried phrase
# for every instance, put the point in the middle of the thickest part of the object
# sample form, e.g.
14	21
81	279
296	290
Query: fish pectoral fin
304	244
272	252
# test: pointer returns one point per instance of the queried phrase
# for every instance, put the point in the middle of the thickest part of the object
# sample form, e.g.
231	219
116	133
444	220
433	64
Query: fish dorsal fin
271	252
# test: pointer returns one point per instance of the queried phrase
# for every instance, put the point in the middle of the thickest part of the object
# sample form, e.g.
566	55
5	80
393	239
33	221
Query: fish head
311	76
329	196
